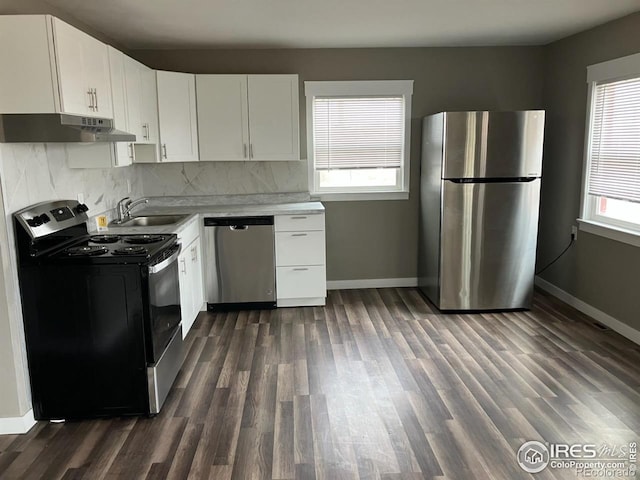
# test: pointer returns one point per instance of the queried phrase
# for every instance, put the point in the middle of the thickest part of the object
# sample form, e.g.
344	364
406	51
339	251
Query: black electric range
101	315
116	249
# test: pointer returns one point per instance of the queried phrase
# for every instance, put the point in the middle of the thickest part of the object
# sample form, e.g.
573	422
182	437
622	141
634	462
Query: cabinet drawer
301	282
300	248
294	223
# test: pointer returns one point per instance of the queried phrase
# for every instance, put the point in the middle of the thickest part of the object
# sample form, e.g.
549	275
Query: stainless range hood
58	127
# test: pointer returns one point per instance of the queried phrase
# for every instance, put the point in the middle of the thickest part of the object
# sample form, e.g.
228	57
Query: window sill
614	233
364	196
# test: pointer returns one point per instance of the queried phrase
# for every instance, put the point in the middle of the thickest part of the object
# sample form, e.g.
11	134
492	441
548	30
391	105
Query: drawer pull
300	269
299	235
298	218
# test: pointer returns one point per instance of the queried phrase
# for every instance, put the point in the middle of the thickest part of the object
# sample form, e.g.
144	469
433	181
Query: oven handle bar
158	267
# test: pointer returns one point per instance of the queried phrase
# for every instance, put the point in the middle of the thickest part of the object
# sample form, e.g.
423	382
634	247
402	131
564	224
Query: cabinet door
273	117
149	96
184	265
177	117
133	82
197	283
191	285
123	150
75	91
223	128
28	70
95	56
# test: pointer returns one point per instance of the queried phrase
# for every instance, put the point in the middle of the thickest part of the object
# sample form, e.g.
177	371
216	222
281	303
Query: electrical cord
573	239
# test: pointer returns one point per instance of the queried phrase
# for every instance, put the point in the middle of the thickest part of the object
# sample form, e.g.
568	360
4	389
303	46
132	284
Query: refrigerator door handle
492	180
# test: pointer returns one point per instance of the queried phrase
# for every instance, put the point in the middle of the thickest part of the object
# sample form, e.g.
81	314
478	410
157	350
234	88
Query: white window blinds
615	141
358	132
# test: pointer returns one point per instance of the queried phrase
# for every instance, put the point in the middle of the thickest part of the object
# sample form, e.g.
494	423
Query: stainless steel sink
152	220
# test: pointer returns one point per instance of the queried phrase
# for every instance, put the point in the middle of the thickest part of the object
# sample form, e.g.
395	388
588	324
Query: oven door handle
158	267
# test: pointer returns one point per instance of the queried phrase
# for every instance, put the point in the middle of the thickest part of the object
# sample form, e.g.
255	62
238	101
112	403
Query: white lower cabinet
191	275
301	278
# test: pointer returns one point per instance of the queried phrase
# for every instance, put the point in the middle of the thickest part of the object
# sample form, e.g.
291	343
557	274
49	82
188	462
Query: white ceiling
335	23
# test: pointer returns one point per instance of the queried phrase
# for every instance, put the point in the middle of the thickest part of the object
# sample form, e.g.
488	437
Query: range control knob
34	222
44	218
81	208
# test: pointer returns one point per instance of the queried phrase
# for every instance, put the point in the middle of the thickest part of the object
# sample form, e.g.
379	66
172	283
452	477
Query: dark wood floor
375	385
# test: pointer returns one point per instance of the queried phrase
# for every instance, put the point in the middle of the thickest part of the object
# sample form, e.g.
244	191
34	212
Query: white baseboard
17	425
372	283
602	317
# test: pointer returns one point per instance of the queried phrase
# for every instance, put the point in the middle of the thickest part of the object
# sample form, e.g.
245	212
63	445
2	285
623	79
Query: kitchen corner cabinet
191	274
177	117
301	278
248	117
49	66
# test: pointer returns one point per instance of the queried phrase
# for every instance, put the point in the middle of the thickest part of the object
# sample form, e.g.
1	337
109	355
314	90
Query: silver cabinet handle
298	218
91	105
194	254
130	146
145	130
183	262
300	269
164	150
298	234
251	150
95	97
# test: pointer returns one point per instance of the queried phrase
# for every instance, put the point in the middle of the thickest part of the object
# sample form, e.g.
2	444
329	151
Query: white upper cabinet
177	117
273	117
222	117
142	109
111	154
248	117
124	150
51	67
83	71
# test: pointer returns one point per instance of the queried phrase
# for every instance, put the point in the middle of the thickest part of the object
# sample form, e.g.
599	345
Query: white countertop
193	211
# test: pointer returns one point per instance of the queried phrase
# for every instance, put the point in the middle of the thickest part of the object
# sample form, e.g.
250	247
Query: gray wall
601	272
378	239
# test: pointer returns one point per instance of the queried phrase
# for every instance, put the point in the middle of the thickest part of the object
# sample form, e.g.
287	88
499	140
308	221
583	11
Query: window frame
360	88
590	221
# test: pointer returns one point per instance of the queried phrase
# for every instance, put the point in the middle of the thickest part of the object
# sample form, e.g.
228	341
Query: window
358	137
612	160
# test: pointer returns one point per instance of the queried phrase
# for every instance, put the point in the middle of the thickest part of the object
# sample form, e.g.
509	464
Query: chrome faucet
125	206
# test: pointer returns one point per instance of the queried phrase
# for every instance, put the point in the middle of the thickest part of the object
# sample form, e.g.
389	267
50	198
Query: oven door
164	302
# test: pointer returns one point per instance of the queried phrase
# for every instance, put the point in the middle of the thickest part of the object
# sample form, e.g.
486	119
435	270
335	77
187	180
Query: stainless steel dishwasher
240	262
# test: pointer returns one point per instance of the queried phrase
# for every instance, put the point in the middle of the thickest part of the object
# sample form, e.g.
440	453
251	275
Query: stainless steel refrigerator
479	198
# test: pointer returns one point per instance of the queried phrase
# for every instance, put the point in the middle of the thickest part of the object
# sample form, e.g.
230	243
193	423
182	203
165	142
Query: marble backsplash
37	172
222	178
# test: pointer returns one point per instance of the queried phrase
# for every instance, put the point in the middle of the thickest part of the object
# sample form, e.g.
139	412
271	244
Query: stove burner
84	251
134	250
142	239
104	238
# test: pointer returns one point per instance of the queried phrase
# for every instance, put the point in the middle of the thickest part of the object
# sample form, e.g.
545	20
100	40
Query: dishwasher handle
238	227
237	222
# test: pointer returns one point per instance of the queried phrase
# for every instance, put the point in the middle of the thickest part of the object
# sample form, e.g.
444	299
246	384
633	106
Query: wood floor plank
377	384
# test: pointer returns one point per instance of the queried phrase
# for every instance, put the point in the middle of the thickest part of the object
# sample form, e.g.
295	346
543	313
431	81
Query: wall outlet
128	186
574	232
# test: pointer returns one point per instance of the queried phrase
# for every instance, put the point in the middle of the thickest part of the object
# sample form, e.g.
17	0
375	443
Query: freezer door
493	144
489	235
